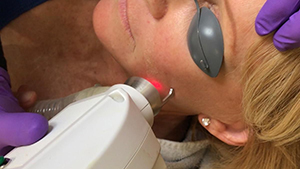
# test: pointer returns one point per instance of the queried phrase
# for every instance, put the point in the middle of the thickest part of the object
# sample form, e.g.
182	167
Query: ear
233	134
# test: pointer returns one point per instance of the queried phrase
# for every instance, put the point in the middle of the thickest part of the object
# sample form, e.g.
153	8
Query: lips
124	16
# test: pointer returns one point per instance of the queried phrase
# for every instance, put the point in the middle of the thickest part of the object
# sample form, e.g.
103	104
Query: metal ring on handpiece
149	92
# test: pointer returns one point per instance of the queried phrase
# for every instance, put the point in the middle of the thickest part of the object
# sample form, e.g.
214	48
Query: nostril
157	8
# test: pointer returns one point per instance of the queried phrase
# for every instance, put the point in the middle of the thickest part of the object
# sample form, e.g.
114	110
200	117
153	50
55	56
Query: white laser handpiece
111	130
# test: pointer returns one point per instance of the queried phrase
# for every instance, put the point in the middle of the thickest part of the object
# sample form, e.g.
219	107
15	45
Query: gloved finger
9	104
26	97
273	14
5	83
283	40
18	129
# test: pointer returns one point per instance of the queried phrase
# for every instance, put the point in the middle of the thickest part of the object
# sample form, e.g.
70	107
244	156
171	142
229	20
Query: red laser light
156	84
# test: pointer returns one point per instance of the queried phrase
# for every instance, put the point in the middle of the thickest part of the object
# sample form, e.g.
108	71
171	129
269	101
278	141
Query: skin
152	45
54	44
155	46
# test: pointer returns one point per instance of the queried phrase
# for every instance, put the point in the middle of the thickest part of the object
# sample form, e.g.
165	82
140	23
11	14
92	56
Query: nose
157	8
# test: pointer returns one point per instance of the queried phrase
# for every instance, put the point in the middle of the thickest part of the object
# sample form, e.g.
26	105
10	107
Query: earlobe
233	134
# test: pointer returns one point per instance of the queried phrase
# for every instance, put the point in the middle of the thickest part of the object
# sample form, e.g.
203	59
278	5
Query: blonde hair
271	105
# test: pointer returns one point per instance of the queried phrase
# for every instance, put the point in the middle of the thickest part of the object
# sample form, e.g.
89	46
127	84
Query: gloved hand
17	127
284	16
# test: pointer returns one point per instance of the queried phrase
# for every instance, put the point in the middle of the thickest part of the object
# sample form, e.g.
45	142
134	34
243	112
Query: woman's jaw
149	40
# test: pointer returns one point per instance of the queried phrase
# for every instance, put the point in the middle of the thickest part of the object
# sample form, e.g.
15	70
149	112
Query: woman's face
149	39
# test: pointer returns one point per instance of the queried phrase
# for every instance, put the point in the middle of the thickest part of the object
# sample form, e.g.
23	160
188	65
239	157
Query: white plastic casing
106	131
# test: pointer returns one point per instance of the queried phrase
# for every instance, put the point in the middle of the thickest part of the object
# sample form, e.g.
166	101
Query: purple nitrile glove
17	127
283	16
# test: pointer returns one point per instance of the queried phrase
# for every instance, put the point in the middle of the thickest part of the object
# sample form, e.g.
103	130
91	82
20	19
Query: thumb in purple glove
17	128
283	16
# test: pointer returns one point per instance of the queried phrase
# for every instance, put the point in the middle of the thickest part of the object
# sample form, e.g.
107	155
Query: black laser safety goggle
205	41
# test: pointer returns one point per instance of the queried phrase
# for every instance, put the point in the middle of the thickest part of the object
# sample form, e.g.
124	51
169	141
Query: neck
171	127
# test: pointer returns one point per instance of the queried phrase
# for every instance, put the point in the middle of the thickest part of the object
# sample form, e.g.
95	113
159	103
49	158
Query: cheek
170	49
167	59
171	55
